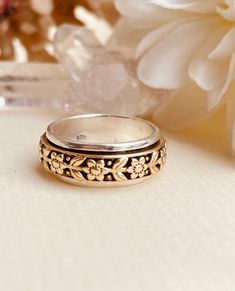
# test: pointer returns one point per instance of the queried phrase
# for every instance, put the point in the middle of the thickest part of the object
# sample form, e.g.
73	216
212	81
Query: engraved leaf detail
75	167
77	161
43	156
158	159
154	158
119	168
153	163
78	175
45	164
119	176
120	164
46	152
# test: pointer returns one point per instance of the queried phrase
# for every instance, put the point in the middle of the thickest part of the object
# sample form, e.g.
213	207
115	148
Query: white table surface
175	232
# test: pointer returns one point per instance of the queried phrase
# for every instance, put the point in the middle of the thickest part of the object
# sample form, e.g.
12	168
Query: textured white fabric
175	232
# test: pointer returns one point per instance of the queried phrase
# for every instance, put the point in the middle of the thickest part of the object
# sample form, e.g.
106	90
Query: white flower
187	46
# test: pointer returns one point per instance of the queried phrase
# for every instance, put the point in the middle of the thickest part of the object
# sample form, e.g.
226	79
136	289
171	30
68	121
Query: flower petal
217	96
121	41
87	170
230	108
142	160
100	163
141	174
134	176
134	162
60	157
166	64
156	36
227	13
182	108
144	13
53	169
209	74
226	47
60	171
100	177
200	6
91	163
91	177
53	155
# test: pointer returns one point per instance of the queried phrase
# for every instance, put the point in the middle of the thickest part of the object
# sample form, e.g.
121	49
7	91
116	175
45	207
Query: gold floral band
99	167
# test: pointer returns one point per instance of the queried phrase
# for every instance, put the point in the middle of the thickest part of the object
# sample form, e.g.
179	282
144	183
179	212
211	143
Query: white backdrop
175	232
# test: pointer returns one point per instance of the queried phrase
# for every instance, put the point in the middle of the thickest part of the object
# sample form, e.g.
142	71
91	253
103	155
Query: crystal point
103	81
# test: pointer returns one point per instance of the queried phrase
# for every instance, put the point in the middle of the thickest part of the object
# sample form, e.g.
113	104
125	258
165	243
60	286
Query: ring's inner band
102	132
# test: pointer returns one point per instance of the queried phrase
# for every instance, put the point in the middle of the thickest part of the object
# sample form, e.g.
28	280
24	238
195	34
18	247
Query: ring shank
98	170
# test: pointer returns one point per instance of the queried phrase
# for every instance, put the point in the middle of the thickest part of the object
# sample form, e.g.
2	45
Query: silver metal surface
102	133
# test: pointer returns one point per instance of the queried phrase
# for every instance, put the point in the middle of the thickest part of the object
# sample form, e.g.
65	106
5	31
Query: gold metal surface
94	169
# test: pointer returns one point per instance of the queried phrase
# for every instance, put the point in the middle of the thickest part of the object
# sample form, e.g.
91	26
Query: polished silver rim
103	133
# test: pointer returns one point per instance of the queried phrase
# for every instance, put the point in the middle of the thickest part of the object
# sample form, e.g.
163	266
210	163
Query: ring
102	150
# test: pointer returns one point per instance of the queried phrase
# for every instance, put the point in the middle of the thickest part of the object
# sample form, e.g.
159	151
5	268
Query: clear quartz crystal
89	79
33	85
103	81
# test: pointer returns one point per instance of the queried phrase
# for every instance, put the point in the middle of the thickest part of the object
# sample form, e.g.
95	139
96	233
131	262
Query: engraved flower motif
95	170
57	165
137	168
